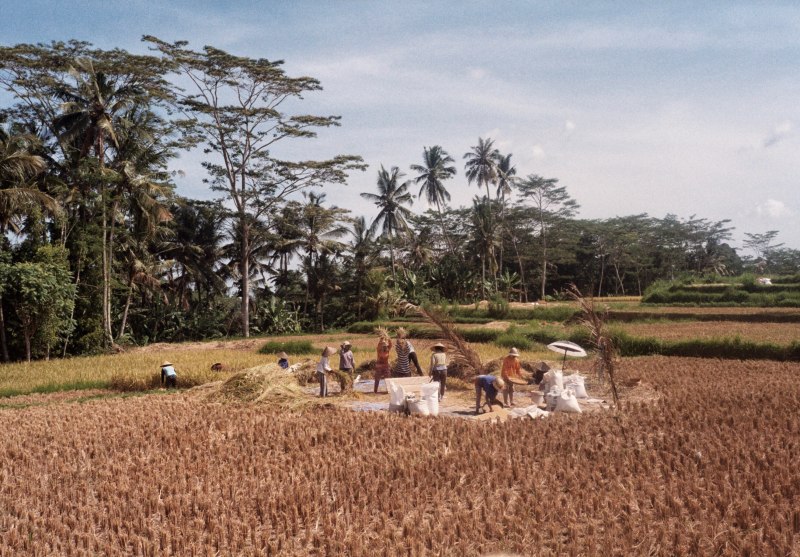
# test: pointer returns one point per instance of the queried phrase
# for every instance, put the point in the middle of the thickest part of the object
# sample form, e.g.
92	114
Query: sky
685	108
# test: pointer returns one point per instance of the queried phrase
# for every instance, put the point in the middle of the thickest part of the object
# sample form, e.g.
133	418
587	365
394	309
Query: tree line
97	249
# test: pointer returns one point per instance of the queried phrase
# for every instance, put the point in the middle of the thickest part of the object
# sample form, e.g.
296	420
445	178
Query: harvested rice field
778	333
709	467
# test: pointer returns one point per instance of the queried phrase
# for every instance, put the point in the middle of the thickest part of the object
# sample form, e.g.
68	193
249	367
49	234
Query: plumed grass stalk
460	350
595	322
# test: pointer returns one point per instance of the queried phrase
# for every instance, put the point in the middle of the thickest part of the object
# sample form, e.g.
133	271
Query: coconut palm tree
87	123
391	197
437	166
481	165
506	176
362	248
17	167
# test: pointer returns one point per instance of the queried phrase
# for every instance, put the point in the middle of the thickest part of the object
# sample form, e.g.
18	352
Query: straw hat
439	345
346	344
283	356
499	384
166	363
329	351
513	352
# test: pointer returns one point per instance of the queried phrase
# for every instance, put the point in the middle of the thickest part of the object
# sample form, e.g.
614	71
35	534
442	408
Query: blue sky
688	108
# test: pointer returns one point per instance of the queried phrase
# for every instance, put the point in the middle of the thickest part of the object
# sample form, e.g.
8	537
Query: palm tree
506	176
481	165
390	199
437	166
362	248
320	229
87	122
17	167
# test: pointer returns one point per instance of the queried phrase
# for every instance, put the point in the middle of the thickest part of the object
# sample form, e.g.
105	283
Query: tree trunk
447	238
544	262
391	257
27	345
245	269
107	333
125	311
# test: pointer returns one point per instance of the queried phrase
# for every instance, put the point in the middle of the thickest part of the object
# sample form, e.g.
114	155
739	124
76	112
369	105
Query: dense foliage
89	139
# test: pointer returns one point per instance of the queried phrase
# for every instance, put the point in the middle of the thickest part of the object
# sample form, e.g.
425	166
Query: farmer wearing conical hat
510	371
168	375
283	360
491	387
439	367
323	367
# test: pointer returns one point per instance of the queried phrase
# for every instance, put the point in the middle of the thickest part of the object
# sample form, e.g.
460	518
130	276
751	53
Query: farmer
439	367
168	375
539	371
403	349
323	367
384	350
491	386
283	360
511	369
347	362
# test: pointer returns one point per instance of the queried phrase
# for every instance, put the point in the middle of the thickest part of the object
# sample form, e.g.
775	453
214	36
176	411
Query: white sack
577	383
567	402
430	394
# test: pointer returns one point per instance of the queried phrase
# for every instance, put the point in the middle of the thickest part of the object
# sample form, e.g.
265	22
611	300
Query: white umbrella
567	347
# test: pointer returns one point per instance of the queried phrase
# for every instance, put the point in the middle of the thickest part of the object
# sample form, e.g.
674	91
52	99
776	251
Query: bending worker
491	386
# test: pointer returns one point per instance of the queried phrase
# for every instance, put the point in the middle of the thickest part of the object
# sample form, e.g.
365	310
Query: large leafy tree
235	107
391	199
551	205
437	167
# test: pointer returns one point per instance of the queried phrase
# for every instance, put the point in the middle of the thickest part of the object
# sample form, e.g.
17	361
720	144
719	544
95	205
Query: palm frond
462	353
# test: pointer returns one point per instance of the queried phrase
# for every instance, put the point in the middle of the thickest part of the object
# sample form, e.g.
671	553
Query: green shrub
514	340
289	346
498	307
479	335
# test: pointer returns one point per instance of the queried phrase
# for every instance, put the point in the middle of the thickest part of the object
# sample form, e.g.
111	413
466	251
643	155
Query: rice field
707	468
779	333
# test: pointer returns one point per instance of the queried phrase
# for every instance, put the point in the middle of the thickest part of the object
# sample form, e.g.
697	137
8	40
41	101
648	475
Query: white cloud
779	133
569	127
772	208
477	73
537	152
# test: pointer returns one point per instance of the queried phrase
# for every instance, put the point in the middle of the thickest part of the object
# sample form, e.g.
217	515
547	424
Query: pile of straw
264	384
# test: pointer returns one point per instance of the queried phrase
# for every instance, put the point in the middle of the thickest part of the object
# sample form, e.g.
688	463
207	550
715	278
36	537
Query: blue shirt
486	382
284	363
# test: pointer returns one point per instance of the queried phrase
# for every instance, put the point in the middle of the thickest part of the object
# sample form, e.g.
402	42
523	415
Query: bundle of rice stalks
466	360
267	383
305	372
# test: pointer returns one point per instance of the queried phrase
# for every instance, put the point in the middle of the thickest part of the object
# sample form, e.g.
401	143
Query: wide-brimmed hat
346	343
283	356
329	351
166	363
499	384
439	345
513	352
541	366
